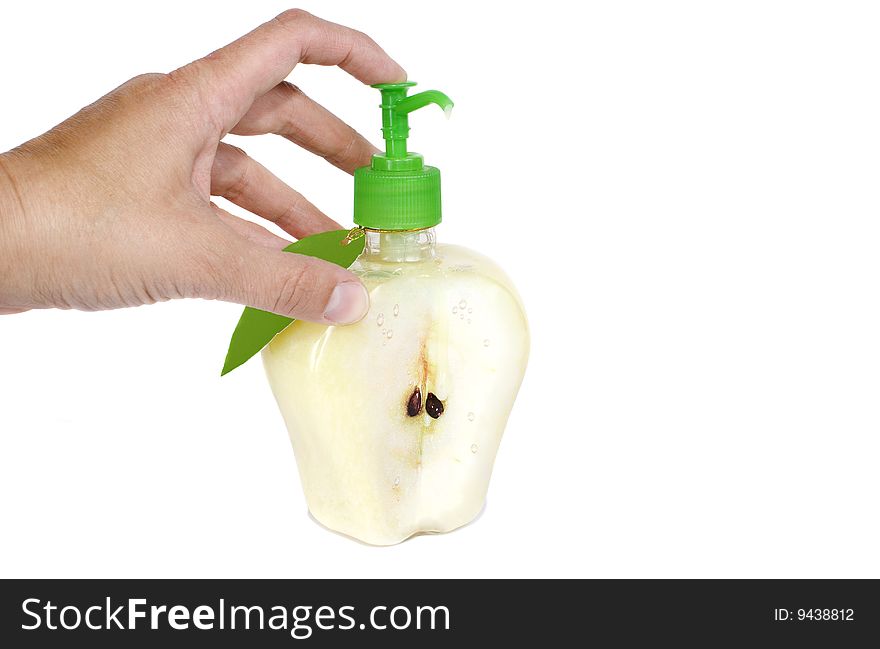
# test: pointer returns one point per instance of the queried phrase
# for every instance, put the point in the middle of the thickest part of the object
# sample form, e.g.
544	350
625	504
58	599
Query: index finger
235	75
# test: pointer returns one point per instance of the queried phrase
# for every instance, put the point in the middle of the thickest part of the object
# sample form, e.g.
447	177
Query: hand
112	207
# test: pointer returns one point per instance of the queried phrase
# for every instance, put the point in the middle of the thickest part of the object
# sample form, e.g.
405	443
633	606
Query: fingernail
348	303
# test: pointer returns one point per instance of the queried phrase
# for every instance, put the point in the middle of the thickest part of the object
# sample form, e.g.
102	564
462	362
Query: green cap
397	191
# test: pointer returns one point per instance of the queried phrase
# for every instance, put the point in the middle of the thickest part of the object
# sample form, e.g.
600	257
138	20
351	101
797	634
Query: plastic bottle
395	421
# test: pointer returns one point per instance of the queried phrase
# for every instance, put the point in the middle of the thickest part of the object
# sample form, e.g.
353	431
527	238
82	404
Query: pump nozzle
422	99
396	107
397	191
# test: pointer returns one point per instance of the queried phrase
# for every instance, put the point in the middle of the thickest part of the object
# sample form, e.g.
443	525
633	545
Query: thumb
292	285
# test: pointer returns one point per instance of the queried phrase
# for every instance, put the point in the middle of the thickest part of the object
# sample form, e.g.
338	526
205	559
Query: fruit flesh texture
449	323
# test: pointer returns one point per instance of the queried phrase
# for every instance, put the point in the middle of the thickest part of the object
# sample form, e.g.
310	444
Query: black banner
421	613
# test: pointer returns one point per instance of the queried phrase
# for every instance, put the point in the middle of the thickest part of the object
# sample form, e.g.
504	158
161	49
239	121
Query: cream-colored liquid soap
395	421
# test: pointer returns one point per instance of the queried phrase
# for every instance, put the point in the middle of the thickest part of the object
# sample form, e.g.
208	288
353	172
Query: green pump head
397	191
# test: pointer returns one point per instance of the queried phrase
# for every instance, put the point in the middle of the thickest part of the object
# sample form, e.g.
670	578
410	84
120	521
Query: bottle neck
391	246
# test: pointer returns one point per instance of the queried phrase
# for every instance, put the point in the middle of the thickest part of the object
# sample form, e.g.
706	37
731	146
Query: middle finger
287	111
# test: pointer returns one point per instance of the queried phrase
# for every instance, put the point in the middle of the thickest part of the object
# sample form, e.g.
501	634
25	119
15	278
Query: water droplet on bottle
380	319
471	310
473	448
461	317
397	481
471	416
389	334
454	310
469	320
462	304
383	332
396	310
486	342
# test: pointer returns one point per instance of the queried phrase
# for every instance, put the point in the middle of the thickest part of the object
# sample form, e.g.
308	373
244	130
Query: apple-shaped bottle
395	421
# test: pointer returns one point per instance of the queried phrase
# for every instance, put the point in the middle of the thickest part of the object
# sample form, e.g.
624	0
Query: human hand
112	208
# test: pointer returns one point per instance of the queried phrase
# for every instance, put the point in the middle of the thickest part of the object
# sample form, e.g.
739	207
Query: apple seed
433	406
414	404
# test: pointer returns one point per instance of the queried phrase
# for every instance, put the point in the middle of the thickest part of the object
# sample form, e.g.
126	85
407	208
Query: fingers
244	181
249	67
285	110
293	285
250	231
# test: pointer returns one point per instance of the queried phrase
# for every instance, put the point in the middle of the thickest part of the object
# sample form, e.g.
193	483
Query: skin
112	208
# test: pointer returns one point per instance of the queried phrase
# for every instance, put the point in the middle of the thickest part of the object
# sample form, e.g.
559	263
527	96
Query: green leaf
257	328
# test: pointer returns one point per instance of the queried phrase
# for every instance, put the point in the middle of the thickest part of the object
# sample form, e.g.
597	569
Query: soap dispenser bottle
395	421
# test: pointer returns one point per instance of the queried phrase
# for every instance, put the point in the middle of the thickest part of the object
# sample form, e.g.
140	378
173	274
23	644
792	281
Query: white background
686	194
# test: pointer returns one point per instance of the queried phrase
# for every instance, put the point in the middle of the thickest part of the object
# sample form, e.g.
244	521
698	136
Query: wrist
15	272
